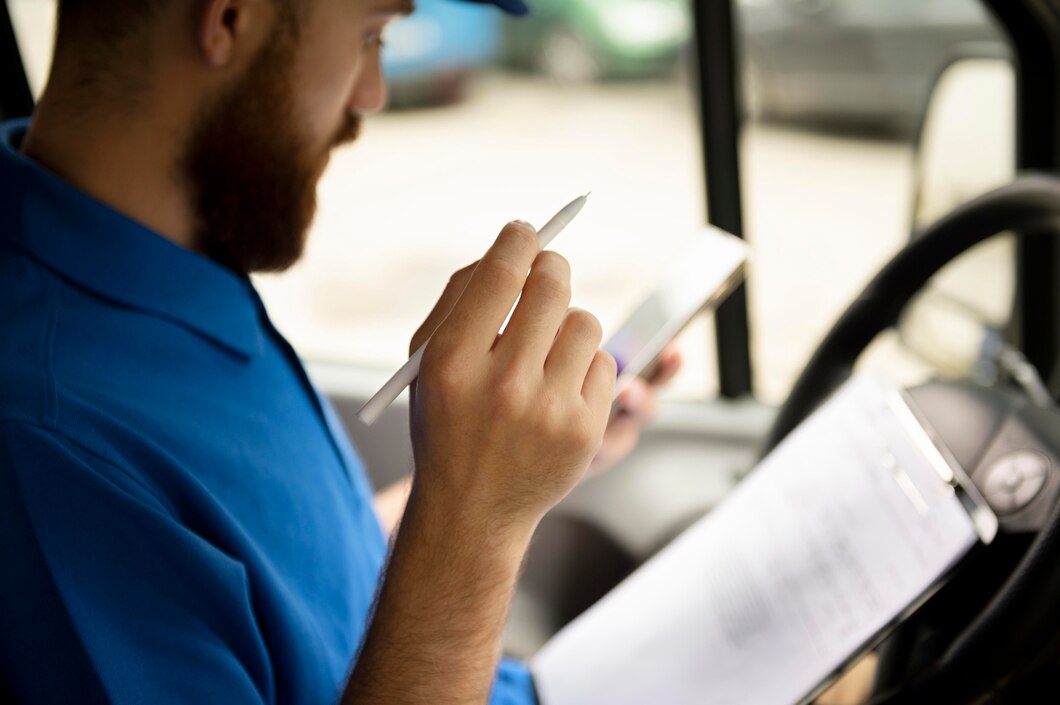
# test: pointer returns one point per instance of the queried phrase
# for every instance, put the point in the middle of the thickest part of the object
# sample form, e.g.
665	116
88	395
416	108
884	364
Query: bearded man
183	519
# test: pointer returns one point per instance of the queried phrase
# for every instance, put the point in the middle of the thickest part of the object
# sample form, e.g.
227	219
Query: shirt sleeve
107	597
514	685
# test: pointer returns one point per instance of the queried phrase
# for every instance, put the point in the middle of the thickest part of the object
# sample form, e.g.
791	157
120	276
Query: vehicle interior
893	166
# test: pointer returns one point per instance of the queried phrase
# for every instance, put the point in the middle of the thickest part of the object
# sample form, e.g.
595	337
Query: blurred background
863	120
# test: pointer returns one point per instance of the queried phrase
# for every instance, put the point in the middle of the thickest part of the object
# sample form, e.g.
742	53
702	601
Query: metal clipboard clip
944	464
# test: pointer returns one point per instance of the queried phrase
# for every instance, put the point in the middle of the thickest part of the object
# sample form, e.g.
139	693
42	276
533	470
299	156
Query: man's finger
531	333
493	288
668	365
638	401
574	348
453	290
599	383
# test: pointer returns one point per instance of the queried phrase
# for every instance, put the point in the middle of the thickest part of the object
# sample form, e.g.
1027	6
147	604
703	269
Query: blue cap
512	7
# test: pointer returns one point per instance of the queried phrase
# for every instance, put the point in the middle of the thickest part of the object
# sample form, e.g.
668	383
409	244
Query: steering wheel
1026	204
1029	204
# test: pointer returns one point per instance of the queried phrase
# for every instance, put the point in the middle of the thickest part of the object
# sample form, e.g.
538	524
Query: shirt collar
117	258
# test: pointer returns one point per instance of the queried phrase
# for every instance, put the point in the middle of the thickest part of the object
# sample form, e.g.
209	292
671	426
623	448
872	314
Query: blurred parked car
586	40
870	62
429	56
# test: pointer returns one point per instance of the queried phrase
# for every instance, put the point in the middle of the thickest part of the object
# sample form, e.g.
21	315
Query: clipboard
838	536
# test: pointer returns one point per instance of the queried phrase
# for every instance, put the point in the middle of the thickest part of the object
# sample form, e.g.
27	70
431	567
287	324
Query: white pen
386	395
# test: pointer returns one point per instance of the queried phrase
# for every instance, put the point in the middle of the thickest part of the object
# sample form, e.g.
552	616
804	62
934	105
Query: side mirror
966	144
965	147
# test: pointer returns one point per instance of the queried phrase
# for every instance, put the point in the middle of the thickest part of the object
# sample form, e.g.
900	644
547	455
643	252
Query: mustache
348	131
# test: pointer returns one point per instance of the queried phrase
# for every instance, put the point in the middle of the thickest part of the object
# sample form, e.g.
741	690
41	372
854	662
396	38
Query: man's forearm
436	632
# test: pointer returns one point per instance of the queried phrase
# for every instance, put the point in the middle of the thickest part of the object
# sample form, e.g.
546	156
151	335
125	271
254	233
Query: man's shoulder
28	313
51	403
43	417
54	335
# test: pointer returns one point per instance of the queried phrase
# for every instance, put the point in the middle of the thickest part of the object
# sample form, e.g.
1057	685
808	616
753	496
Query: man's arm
502	428
435	635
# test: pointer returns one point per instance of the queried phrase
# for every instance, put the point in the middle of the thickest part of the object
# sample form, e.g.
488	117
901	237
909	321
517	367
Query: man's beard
252	175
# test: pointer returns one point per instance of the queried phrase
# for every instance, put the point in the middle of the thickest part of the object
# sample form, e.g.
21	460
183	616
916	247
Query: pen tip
587	194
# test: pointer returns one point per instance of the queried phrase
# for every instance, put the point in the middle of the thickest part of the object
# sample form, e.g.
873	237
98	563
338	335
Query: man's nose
369	93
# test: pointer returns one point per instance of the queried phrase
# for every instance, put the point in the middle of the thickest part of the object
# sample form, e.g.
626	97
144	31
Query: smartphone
706	268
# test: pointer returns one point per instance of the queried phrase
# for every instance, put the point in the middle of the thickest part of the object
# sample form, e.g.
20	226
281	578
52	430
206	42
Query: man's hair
115	20
103	42
105	32
104	23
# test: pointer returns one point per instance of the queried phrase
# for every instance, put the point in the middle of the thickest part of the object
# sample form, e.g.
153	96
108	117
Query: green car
587	40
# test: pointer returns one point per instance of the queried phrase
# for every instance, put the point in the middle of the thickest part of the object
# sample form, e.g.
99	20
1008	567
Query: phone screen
638	331
701	273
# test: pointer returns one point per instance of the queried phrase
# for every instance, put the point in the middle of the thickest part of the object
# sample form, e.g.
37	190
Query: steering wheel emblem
1015	479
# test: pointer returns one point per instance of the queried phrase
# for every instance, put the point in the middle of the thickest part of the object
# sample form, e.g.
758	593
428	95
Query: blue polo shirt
182	517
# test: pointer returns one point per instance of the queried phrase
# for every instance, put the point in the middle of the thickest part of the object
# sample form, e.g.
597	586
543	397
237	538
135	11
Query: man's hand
638	403
511	421
502	428
638	406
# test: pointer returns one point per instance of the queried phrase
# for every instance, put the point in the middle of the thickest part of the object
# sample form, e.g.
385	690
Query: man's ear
230	29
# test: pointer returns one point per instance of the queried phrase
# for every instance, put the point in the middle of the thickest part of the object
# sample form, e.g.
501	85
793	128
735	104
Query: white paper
840	530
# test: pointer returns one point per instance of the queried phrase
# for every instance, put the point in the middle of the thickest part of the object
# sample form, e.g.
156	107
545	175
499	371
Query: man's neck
128	163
